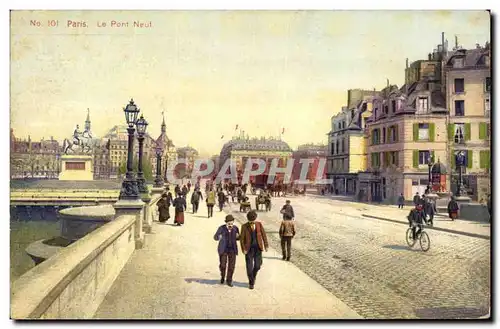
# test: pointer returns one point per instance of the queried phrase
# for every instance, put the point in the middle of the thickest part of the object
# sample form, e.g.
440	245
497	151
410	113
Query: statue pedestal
76	167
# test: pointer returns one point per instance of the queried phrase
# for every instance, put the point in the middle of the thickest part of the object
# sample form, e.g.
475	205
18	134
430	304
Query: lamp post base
159	182
141	185
130	190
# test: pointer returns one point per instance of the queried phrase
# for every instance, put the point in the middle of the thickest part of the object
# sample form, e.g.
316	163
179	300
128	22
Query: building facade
443	108
468	96
242	148
315	152
346	142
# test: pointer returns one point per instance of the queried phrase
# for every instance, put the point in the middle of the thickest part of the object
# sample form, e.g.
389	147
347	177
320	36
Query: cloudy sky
212	70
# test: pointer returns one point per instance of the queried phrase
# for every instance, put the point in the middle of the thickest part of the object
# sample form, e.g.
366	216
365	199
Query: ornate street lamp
159	180
141	124
460	164
129	189
430	163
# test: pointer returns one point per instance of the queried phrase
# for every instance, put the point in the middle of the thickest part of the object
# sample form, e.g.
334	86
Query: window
487	107
459	86
393	134
458	63
423	157
386	109
332	148
459	108
337	148
459	133
423	131
343	145
383	135
393	106
352	114
375	160
487	84
423	104
375	136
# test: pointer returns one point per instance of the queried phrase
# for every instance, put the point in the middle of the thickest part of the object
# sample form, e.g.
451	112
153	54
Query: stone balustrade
73	283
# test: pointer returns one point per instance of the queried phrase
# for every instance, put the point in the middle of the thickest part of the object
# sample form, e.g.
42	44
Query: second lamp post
141	124
129	189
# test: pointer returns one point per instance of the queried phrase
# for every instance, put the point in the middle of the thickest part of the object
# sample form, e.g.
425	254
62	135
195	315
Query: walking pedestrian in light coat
287	232
253	241
210	202
228	249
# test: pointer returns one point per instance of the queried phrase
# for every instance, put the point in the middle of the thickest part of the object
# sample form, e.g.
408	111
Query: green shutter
467	132
433	156
469	158
415	158
451	131
452	155
432	128
415	132
484	159
482	130
389	140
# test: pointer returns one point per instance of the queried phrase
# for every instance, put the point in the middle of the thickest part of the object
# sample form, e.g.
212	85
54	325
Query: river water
27	227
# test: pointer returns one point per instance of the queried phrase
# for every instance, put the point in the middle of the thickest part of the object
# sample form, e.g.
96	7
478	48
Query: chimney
407	63
430	56
442	41
456	42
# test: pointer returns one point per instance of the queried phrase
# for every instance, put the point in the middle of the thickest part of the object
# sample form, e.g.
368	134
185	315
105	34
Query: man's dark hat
229	218
164	195
287	201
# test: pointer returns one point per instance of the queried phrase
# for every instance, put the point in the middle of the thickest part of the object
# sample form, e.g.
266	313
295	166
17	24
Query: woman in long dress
163	207
180	207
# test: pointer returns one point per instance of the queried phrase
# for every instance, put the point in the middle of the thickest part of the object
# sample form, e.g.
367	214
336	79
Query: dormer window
423	104
458	63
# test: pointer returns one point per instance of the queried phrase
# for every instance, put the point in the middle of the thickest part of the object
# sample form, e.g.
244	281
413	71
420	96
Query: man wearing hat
287	211
228	249
253	241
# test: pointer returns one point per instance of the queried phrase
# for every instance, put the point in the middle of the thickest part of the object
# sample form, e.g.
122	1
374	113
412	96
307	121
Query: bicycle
423	237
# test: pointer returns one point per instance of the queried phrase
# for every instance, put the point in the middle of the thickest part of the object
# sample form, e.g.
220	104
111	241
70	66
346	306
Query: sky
212	70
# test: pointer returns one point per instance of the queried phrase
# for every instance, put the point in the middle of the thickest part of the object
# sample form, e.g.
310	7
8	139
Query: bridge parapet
73	283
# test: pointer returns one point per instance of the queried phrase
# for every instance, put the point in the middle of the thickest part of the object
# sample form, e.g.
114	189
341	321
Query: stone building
346	142
190	155
241	148
315	152
30	159
468	98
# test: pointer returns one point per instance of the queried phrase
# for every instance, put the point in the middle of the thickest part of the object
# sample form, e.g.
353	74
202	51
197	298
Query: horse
84	143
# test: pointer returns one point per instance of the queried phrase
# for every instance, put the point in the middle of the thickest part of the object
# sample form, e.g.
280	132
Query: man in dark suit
253	241
228	249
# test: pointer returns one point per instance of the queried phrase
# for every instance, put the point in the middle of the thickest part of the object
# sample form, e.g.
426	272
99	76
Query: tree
147	168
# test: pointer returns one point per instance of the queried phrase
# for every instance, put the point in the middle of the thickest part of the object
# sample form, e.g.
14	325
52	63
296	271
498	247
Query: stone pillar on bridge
147	223
136	208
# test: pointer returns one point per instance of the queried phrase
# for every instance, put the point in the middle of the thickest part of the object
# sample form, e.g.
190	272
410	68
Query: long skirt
453	214
179	217
164	215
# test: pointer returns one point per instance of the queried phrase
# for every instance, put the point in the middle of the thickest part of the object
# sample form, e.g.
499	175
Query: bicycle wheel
425	241
409	237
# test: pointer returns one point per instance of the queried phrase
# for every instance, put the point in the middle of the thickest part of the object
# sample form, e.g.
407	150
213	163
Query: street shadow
270	257
398	247
215	282
200	216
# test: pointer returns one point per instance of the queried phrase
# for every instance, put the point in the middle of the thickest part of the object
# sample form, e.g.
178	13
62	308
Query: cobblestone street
368	265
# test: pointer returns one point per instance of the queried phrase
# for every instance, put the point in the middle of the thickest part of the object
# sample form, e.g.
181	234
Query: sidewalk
176	276
441	223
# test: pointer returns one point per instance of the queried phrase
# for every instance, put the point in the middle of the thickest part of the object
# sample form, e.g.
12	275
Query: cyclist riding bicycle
416	219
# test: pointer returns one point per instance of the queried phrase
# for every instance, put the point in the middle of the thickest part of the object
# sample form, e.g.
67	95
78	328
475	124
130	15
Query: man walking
253	241
287	211
195	199
221	198
416	199
430	210
401	201
287	232
228	249
210	202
